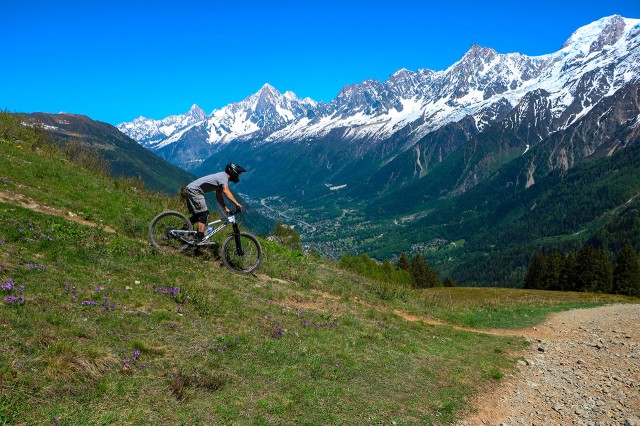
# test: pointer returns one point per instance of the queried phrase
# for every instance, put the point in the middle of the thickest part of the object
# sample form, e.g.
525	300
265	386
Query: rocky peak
611	33
268	97
479	52
477	58
599	34
196	113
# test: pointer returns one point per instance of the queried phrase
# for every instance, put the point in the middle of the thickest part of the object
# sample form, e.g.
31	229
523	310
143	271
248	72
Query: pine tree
419	271
536	272
424	276
605	272
432	277
594	272
568	272
403	262
626	273
551	278
448	282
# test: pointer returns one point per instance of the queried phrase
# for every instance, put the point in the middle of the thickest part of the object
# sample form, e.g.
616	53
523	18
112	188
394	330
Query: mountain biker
218	182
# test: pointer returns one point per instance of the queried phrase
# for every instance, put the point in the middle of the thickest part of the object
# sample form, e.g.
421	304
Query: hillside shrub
368	267
286	236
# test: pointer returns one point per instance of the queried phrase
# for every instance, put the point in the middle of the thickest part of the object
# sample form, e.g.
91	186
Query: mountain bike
172	231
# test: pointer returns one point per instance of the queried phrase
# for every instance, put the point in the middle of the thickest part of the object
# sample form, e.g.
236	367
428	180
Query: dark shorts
195	201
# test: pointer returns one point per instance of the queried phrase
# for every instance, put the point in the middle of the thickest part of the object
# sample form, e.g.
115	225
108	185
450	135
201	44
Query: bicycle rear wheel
250	257
161	227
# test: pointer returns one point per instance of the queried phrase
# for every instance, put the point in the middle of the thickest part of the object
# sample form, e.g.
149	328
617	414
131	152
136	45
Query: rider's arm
229	195
221	201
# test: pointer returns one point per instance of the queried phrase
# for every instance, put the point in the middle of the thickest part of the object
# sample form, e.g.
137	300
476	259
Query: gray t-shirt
210	183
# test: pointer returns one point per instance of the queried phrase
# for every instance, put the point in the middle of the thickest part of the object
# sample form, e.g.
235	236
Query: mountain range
484	85
405	150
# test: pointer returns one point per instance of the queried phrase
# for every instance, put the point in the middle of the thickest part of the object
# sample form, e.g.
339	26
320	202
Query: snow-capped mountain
596	61
149	132
263	112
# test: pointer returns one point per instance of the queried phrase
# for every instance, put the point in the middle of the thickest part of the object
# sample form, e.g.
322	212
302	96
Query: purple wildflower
105	302
55	421
172	291
11	299
127	363
9	285
276	331
15	300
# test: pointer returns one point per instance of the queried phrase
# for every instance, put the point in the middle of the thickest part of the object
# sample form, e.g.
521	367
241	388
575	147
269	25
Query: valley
334	232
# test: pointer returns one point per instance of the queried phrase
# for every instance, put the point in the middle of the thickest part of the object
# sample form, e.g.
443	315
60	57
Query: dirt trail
23	201
582	368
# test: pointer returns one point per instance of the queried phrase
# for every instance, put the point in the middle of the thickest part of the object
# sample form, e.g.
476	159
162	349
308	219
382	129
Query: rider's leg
198	208
201	223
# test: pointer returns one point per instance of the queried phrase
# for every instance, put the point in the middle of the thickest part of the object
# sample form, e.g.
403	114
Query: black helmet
233	170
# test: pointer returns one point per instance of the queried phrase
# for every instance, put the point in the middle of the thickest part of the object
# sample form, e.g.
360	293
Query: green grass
224	349
303	342
502	307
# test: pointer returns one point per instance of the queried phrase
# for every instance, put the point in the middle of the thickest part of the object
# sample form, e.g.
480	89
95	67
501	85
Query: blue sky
115	61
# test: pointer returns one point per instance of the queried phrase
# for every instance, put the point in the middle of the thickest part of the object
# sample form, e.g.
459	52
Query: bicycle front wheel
242	256
160	231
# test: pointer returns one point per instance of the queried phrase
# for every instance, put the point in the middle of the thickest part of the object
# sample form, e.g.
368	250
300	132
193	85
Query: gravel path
582	368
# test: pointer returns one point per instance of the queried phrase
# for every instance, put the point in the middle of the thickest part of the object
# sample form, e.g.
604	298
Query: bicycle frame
229	220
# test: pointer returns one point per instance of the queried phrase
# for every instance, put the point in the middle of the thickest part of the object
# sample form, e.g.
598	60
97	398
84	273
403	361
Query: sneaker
199	238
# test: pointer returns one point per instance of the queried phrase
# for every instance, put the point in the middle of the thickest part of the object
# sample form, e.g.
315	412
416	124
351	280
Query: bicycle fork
236	235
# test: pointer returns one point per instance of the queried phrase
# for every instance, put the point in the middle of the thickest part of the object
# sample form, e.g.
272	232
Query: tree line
590	270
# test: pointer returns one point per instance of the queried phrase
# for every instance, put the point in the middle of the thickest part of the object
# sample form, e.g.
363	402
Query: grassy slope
301	343
125	156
